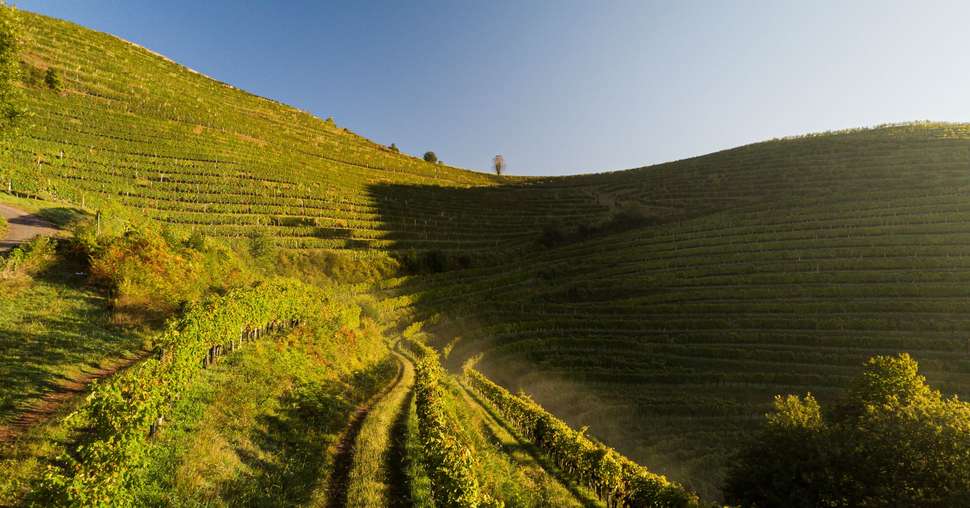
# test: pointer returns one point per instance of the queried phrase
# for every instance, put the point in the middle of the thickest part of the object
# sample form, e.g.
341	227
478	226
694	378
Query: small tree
499	164
393	148
430	157
52	79
261	247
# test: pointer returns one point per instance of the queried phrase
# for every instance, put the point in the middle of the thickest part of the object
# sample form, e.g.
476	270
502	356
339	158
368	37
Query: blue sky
563	86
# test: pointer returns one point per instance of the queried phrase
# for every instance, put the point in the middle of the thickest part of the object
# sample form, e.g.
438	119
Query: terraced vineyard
669	341
662	306
133	128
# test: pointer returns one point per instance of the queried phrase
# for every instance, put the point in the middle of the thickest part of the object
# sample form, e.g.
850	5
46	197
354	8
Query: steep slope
670	340
128	126
663	306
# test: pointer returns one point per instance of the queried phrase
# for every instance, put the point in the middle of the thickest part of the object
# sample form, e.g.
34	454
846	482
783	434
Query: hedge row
617	481
449	460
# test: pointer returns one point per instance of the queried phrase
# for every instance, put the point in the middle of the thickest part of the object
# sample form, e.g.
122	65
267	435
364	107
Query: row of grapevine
115	423
617	480
448	458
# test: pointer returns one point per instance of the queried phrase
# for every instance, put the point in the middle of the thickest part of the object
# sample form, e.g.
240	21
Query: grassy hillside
662	306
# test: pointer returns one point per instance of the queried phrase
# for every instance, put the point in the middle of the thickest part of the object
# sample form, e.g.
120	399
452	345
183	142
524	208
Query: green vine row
450	461
617	480
115	423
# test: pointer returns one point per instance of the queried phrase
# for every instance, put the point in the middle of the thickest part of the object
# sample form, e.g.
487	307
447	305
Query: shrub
261	248
151	275
197	241
29	258
891	441
393	148
449	459
432	261
430	157
52	79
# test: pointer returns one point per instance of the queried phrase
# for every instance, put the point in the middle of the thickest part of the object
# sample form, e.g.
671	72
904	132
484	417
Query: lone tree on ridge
499	164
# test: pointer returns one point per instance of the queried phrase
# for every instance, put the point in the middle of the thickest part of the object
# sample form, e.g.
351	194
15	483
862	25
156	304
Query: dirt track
22	226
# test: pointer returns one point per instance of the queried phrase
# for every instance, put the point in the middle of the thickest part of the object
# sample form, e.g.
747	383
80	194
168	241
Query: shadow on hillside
431	217
515	237
53	329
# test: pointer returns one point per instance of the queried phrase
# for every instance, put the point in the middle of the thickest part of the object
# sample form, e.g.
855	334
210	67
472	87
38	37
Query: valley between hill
661	307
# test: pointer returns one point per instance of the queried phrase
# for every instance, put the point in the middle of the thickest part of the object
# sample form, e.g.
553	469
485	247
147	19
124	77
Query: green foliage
197	240
614	478
449	459
52	79
430	156
11	100
394	148
261	247
322	267
432	261
152	274
114	424
29	258
892	441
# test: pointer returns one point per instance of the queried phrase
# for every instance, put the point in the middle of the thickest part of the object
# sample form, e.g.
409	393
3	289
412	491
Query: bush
52	79
430	157
197	240
432	261
29	258
393	148
261	248
151	275
891	441
323	268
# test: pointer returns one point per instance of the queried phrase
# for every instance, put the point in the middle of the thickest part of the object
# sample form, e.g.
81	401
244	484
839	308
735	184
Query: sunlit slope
793	262
132	127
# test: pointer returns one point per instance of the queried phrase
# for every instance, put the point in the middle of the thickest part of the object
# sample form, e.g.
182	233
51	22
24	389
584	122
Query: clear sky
563	86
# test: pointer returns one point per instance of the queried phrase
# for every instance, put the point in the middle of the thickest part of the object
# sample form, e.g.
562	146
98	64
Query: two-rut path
366	466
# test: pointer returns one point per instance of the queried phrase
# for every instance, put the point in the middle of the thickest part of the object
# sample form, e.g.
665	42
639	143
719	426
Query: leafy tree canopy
891	441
